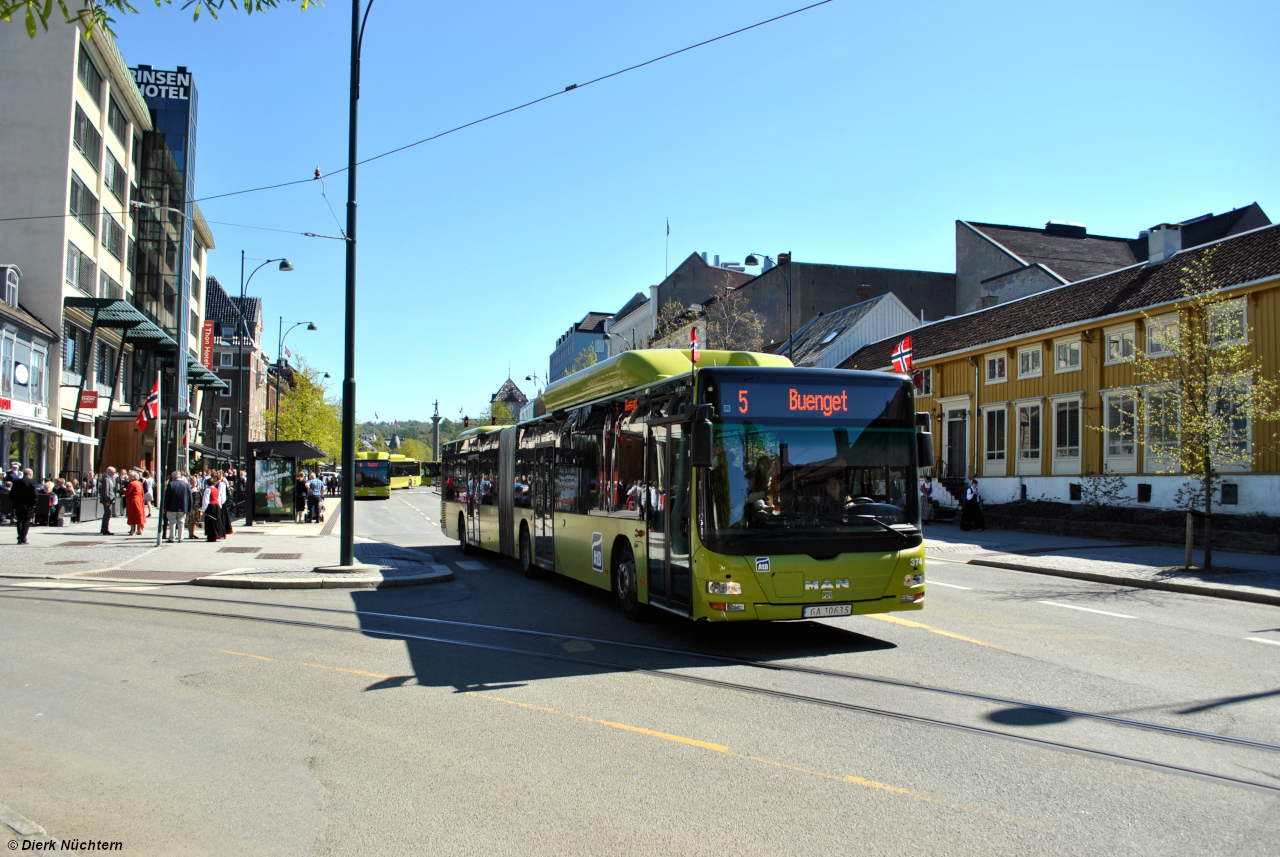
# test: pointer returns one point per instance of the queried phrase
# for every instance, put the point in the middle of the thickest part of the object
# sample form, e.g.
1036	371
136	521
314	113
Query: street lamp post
285	265
280	363
783	259
346	506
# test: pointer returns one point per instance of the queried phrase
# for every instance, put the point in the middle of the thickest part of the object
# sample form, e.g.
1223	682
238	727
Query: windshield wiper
879	523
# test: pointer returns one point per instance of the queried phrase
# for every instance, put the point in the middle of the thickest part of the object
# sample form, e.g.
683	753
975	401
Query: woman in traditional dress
135	505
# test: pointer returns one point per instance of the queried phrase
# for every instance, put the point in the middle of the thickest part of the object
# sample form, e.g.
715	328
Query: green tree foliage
1204	390
732	325
415	449
584	360
672	316
93	13
307	413
498	413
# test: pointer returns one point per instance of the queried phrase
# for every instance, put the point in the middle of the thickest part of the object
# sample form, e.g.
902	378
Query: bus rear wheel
530	570
462	534
626	585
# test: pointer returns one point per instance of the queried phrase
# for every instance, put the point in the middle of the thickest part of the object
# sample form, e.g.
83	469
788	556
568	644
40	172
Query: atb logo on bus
597	551
762	564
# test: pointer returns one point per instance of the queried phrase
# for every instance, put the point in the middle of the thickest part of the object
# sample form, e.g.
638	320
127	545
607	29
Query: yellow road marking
720	748
243	655
908	623
341	670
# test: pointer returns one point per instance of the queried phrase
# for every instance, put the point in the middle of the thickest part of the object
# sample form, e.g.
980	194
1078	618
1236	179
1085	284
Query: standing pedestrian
228	504
177	502
211	505
149	491
315	495
107	497
972	518
23	496
135	505
193	512
926	500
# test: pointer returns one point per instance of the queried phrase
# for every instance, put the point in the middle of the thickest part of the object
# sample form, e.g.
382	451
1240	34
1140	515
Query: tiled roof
818	335
1072	258
1240	259
221	307
594	322
22	316
1212	227
509	392
638	300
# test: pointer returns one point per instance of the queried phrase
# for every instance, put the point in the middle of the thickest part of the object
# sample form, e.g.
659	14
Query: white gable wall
889	317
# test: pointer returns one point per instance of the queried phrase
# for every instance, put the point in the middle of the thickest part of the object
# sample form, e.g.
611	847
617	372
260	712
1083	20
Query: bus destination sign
845	403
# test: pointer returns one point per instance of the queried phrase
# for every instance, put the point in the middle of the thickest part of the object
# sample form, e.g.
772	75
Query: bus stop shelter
273	469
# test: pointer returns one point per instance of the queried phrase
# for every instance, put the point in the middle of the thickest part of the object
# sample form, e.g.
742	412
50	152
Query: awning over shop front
199	375
73	437
112	313
299	449
29	423
210	452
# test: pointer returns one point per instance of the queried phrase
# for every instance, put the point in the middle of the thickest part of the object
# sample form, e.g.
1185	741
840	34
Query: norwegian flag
150	408
693	343
902	356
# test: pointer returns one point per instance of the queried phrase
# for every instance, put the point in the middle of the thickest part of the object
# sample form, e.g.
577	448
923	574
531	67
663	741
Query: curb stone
1137	582
324	582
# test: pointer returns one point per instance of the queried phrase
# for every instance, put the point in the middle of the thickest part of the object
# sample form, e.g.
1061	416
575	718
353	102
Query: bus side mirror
924	449
700	440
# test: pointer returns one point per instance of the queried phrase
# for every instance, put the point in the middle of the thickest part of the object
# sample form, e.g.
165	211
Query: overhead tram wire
571	88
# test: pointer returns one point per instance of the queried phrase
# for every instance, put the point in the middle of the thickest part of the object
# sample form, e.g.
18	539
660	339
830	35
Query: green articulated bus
373	475
738	488
404	472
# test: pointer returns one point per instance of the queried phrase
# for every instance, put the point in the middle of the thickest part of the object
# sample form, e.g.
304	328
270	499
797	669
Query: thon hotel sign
163	84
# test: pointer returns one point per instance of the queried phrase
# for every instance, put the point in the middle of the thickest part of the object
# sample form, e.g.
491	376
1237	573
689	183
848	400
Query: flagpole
159	455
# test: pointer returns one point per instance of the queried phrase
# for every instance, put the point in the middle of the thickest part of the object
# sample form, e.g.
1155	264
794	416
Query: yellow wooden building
1033	394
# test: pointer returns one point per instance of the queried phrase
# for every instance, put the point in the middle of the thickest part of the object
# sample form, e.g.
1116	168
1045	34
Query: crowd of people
209	500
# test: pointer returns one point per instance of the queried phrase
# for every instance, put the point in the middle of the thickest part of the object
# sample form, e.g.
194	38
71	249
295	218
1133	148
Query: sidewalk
264	556
1238	576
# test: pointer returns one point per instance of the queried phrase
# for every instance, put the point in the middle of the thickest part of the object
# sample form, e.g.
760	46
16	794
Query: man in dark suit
23	496
177	502
107	497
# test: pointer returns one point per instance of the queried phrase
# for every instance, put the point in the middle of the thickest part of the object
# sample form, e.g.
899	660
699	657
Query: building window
926	382
1232	451
1029	362
224	446
1160	443
36	390
1066	433
1066	355
109	288
10	287
90	77
1120	345
6	365
224	417
195	322
131	254
195	285
84	205
225	358
87	139
1029	434
70	336
106	364
113	236
82	271
118	123
225	392
1162	335
1120	410
995	434
115	177
1228	323
996	369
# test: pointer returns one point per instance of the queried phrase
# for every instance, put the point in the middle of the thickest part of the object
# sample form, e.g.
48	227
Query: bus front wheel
625	586
462	534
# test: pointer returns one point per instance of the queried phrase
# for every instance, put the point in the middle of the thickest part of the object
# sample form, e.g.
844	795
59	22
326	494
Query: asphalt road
288	724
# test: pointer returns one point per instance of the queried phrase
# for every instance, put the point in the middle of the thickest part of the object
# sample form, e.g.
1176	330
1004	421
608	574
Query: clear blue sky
856	133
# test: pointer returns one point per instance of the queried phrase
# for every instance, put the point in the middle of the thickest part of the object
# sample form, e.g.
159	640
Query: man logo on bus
839	583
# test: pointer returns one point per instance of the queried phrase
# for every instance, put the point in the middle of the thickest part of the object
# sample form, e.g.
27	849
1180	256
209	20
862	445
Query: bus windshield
787	481
372	474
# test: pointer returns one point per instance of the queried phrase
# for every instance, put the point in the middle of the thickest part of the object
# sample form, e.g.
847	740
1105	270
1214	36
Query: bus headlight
726	587
916	579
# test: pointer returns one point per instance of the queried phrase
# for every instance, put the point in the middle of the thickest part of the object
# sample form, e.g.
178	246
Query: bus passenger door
544	554
667	516
473	499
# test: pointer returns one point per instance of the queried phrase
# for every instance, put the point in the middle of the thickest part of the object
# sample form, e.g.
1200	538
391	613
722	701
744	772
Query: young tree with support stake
1204	390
